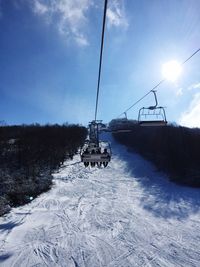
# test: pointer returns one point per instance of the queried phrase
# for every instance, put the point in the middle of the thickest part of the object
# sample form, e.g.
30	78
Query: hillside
173	150
29	155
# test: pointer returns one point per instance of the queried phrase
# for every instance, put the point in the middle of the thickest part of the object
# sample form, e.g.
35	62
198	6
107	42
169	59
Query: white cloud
194	86
40	8
81	39
179	92
191	117
116	14
69	16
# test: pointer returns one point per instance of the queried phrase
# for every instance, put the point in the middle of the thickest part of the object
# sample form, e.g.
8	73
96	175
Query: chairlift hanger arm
156	100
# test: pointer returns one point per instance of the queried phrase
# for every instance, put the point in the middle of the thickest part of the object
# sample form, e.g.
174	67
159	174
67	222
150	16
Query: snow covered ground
124	215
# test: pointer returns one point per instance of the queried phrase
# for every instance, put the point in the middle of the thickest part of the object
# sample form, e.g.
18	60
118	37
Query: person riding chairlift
99	152
105	152
92	164
86	152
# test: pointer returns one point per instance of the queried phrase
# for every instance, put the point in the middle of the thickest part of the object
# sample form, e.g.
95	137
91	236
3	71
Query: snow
127	214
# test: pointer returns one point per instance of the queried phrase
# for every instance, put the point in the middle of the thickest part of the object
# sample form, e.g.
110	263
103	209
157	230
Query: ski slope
125	215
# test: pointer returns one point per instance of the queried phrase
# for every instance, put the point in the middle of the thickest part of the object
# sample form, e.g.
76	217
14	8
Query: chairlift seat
153	115
95	157
91	153
122	131
153	123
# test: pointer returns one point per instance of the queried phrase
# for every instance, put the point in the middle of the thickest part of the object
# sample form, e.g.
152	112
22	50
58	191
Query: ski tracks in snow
102	218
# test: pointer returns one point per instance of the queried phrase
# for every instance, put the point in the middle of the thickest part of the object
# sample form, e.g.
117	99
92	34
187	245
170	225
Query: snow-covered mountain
127	214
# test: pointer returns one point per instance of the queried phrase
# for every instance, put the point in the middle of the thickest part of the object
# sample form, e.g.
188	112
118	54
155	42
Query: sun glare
171	70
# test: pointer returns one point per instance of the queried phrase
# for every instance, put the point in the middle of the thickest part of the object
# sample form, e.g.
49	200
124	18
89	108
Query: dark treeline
174	150
29	154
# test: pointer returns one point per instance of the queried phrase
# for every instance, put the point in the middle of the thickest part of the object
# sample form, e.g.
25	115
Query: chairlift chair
121	125
96	155
153	115
95	152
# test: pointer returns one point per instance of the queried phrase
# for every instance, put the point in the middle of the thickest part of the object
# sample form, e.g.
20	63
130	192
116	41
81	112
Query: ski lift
153	115
95	152
121	125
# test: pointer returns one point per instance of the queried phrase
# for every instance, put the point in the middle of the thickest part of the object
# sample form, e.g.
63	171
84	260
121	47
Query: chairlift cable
142	97
191	56
92	154
100	59
156	86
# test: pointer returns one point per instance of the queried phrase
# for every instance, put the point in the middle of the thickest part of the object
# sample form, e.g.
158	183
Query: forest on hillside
174	150
28	156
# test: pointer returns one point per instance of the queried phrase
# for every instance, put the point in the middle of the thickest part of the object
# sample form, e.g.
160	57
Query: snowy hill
124	215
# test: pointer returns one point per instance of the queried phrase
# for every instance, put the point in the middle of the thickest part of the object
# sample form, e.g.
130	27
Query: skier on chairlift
105	152
99	152
86	152
92	164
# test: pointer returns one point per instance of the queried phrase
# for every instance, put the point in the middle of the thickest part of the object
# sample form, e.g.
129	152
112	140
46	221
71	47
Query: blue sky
49	53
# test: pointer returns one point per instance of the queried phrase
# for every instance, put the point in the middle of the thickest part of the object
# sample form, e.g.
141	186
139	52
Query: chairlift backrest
96	155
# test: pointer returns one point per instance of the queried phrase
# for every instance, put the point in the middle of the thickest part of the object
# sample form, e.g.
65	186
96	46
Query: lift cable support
96	152
156	86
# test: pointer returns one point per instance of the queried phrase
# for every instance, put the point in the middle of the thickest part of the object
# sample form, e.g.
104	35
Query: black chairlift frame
91	152
97	156
152	111
94	131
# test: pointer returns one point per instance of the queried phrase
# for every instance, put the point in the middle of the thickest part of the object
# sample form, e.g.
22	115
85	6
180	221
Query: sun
171	70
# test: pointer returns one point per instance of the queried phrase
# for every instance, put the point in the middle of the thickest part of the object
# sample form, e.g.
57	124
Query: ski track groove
96	217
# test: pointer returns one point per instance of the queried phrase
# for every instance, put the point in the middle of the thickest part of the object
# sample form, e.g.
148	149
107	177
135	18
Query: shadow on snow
5	256
161	197
9	226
